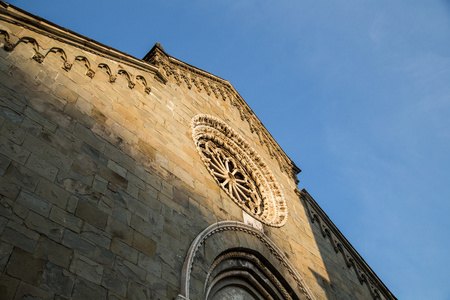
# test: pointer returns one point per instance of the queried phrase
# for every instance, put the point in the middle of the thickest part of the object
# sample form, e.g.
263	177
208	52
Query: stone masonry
102	189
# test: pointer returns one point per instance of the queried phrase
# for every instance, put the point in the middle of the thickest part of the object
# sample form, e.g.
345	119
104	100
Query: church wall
102	189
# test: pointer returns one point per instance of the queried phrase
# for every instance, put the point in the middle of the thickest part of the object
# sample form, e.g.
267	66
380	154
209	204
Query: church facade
123	178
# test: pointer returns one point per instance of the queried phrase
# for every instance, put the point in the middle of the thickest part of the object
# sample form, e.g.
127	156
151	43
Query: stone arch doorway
232	260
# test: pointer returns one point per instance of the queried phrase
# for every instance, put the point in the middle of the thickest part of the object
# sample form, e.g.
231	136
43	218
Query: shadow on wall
83	214
349	277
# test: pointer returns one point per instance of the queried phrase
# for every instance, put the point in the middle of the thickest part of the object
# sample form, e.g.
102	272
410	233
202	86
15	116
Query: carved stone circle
239	170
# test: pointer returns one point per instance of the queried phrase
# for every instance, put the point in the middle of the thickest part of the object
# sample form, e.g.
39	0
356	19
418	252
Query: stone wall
102	189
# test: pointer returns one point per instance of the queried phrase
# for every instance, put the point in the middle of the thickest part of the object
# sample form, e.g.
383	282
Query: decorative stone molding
239	170
67	66
342	245
223	226
18	17
157	62
203	81
241	259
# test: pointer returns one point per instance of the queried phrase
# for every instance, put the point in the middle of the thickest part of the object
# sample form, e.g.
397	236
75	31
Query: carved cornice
67	64
340	244
18	17
156	62
202	81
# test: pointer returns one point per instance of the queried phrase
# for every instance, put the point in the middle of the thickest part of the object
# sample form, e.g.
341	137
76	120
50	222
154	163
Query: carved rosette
239	170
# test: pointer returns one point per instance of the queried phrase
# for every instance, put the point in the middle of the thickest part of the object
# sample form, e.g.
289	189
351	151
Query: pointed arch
66	65
7	44
141	79
89	72
128	77
107	69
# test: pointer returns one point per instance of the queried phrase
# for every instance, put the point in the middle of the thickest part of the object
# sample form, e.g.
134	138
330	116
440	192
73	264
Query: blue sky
357	93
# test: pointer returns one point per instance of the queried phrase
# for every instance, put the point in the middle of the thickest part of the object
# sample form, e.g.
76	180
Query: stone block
151	265
146	149
35	145
58	159
96	236
94	154
31	127
119	230
86	268
91	214
50	112
66	219
84	165
115	282
54	253
158	287
8	286
44	226
104	257
12	210
9	188
73	241
89	137
71	110
149	198
135	206
5	252
4	163
130	271
144	244
53	193
41	167
119	157
20	236
148	227
72	204
172	228
8	113
62	141
117	168
138	291
84	289
36	204
169	275
123	250
98	116
58	280
13	151
113	177
26	267
41	120
180	197
27	291
100	184
13	132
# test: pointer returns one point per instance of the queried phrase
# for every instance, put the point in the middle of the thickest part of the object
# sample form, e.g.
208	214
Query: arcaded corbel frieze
340	244
67	63
13	15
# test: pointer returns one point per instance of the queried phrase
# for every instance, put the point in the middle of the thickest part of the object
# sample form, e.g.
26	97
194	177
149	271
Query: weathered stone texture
102	189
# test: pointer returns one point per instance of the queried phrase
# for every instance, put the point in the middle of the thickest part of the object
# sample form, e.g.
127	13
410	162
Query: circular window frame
273	209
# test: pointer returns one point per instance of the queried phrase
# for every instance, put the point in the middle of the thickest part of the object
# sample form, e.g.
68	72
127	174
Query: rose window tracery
231	176
238	170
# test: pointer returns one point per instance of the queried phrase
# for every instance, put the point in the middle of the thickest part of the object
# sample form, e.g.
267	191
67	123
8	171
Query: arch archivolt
233	254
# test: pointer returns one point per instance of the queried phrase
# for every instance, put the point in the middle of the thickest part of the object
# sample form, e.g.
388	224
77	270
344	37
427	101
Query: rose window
231	176
239	171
